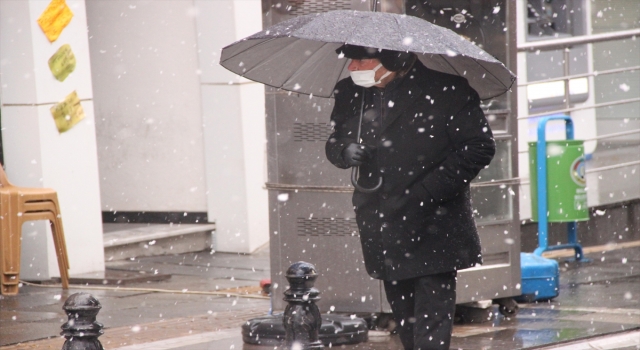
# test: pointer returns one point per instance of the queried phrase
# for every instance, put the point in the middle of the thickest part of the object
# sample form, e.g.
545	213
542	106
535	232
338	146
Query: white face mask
367	78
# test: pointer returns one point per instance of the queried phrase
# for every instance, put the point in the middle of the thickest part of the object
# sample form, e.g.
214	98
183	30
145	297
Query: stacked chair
18	205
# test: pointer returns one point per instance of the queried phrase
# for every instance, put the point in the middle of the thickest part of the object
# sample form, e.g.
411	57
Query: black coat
431	141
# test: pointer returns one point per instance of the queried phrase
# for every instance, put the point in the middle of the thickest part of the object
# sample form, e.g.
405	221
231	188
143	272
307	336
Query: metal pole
542	188
354	170
565	65
555	44
541	158
302	319
81	330
572	238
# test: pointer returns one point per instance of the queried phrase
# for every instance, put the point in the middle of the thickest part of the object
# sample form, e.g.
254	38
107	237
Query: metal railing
611	167
603	137
612	135
566	44
583	75
555	44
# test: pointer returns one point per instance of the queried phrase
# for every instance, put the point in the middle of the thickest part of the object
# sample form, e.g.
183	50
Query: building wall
176	131
147	102
234	119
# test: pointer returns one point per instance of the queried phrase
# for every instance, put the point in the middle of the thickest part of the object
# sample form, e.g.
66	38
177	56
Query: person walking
425	135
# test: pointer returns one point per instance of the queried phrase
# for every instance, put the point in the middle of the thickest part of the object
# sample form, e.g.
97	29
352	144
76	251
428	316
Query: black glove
356	153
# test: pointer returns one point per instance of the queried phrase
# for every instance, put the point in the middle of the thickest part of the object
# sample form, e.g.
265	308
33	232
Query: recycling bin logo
578	172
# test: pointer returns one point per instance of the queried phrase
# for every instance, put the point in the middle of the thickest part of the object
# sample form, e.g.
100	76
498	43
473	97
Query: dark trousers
423	309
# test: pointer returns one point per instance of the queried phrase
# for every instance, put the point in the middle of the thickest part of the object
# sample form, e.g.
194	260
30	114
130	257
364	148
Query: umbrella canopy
299	54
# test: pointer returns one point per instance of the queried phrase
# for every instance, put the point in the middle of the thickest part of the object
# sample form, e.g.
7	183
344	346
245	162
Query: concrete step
124	241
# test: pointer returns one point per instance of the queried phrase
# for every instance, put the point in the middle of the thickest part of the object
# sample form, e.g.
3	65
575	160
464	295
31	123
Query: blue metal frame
543	223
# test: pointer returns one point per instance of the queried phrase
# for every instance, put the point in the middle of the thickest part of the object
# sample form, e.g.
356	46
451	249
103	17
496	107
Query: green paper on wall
62	63
68	112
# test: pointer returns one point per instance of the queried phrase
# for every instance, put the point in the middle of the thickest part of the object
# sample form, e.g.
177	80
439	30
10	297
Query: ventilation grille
326	227
311	132
305	7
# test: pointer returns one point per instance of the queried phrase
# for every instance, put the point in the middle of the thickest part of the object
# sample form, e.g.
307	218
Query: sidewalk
596	299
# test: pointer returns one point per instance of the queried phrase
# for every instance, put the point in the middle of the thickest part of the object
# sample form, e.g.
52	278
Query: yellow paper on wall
68	112
54	19
62	63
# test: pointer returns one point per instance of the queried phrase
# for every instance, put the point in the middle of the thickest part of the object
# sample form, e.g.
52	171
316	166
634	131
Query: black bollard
302	320
82	330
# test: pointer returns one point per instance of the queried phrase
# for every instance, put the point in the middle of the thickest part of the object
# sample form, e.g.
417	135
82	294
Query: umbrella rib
500	94
302	65
488	71
339	74
249	48
495	78
264	62
450	65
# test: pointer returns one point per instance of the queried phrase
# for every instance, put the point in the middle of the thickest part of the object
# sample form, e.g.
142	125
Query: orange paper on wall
54	19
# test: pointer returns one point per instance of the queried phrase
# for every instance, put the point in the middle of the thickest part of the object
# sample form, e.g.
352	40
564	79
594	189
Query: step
125	241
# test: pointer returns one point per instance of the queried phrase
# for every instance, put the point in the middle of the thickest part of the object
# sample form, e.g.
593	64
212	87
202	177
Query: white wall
235	136
148	109
173	134
36	155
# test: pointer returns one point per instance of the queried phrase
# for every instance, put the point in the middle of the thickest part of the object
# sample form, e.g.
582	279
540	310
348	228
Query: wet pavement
213	294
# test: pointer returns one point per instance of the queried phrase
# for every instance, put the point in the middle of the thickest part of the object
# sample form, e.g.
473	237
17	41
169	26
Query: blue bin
540	278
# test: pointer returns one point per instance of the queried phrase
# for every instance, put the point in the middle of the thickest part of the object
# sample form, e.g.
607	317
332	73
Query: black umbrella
299	54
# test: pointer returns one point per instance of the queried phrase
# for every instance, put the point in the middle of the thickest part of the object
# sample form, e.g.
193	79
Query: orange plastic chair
18	205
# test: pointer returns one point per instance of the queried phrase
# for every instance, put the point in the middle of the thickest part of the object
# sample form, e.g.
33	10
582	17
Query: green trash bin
566	182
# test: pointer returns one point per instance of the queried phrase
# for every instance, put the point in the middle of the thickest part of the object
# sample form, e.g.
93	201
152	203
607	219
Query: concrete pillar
523	109
35	153
234	128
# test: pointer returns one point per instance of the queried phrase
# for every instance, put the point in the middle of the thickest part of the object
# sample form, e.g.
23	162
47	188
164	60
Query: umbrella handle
354	182
354	170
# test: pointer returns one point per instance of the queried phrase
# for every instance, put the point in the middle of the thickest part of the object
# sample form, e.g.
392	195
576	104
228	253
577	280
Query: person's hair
391	60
